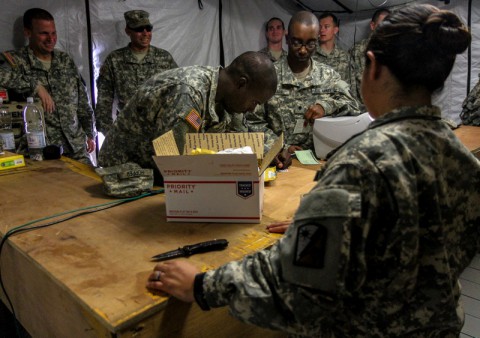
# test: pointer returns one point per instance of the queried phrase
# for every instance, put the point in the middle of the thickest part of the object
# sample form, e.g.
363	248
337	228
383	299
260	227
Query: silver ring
157	275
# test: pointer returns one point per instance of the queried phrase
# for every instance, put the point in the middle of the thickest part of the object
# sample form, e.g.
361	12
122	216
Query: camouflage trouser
470	114
470	117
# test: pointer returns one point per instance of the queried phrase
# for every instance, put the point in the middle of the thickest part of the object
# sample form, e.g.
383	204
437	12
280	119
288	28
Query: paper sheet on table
306	157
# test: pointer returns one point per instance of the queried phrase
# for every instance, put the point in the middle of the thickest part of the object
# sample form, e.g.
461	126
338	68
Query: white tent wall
177	24
243	24
189	33
192	36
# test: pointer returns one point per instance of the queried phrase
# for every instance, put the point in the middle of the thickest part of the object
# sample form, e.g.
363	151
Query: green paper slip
306	157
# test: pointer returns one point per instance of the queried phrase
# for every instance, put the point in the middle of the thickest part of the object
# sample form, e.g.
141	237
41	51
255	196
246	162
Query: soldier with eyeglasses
306	90
125	69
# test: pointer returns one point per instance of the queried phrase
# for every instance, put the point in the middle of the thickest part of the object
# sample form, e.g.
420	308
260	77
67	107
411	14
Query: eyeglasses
141	29
297	44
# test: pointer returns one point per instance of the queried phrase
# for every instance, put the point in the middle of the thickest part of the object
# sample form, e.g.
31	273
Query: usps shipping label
235	201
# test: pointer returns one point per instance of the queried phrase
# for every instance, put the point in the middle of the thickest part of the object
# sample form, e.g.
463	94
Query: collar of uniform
320	51
34	61
286	77
211	115
403	113
130	57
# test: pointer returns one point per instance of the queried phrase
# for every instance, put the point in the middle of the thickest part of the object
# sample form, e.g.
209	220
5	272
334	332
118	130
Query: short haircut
257	67
305	18
379	12
273	19
37	14
324	15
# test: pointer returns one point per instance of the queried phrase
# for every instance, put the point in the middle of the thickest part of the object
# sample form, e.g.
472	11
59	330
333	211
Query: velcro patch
194	119
134	173
317	245
311	246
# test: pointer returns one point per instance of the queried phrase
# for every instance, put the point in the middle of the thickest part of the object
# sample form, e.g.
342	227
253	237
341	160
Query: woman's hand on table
174	277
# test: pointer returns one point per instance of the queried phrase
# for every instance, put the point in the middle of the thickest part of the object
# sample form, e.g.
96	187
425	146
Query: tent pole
90	52
90	67
222	53
469	61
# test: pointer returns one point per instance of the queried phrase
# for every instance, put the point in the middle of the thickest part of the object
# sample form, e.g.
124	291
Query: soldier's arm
355	72
14	76
338	100
308	268
173	64
470	114
85	113
257	121
185	114
105	97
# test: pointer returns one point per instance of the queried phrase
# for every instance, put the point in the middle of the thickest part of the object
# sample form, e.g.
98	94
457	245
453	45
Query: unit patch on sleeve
194	119
310	246
9	59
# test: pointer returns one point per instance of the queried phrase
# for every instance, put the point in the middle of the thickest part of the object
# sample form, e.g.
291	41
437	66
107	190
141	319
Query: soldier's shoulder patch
194	119
311	246
7	56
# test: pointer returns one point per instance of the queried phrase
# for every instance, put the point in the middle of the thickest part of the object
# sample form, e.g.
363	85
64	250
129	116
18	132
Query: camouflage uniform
167	101
338	59
292	99
377	246
267	52
357	61
73	119
470	114
121	75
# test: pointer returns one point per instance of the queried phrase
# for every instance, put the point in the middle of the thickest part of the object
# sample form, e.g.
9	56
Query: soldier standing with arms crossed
125	69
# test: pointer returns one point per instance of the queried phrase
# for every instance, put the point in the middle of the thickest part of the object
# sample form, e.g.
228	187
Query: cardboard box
214	188
10	160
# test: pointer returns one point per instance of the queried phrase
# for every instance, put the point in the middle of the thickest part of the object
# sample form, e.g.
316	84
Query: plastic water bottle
34	130
6	132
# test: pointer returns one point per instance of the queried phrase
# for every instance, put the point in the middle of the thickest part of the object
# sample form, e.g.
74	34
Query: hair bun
447	32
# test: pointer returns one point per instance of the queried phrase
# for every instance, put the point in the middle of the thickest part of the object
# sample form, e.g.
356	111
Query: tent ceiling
347	6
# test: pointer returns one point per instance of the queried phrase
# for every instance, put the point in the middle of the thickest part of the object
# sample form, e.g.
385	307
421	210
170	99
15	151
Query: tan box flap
165	145
222	141
226	165
274	150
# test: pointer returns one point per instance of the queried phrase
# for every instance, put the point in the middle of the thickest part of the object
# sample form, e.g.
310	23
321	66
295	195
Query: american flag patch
194	119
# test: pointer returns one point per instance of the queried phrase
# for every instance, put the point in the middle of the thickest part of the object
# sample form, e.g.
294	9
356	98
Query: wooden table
86	277
470	137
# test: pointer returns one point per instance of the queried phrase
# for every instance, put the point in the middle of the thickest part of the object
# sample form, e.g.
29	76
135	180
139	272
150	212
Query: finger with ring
157	275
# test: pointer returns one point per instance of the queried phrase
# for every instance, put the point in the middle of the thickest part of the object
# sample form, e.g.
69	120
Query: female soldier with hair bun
376	248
